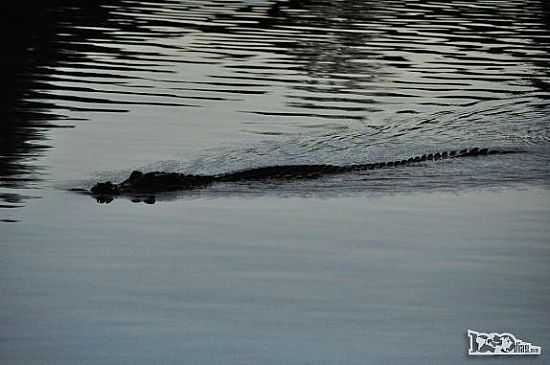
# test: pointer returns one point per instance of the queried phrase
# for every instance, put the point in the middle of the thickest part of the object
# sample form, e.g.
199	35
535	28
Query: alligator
140	184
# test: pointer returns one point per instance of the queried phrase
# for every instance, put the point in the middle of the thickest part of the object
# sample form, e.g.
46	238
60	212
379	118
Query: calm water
392	266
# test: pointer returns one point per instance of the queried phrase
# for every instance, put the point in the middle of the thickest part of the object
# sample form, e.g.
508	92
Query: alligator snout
105	188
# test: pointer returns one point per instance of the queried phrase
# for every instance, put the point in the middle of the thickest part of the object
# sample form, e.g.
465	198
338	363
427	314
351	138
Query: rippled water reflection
95	89
315	81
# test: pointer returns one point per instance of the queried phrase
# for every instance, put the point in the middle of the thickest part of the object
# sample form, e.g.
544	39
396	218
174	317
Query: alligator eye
135	175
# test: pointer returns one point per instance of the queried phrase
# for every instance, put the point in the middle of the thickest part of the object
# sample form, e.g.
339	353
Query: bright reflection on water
324	271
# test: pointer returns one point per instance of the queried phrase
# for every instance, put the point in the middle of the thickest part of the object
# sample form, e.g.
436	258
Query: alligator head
143	184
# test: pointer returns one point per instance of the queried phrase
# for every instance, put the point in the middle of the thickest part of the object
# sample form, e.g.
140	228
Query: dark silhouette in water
42	36
139	183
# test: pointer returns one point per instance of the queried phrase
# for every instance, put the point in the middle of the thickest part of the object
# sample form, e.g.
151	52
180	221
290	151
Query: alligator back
155	182
286	172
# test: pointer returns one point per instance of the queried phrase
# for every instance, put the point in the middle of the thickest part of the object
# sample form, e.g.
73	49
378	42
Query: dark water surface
391	266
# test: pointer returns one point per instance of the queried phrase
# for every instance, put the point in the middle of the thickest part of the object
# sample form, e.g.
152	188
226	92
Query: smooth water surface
390	266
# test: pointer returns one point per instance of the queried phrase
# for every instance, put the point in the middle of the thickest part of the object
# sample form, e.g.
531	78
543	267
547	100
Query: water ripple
323	81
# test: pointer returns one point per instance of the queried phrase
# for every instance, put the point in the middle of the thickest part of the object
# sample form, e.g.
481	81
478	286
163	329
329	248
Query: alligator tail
471	152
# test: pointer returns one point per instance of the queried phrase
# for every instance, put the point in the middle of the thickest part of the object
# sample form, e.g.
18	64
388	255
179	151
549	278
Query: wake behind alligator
139	183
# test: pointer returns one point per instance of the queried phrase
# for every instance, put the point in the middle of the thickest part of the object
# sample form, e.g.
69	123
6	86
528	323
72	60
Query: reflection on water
95	89
359	79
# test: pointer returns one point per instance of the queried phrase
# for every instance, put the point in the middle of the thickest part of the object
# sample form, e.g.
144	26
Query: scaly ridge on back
156	182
